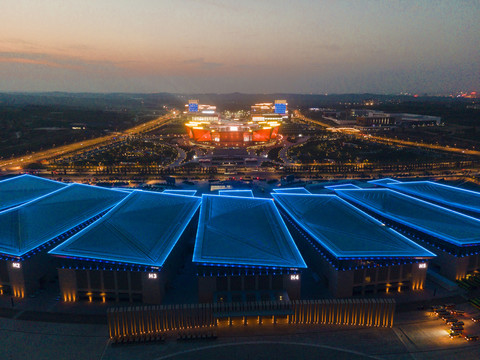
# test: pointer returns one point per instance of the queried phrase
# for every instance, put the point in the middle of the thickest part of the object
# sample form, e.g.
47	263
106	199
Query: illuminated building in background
206	126
276	111
192	106
280	107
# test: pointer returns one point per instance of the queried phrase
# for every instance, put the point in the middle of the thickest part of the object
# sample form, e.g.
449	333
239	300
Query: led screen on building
193	106
280	107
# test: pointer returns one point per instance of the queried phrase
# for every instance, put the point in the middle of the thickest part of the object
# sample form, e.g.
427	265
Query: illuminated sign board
294	277
280	107
422	266
193	106
16	265
152	275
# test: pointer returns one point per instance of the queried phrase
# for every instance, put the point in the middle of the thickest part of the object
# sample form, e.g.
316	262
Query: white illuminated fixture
233	128
152	276
16	265
294	277
422	266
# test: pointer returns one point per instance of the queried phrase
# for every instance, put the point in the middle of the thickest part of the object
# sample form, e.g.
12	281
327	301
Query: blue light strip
350	186
32	177
233	192
383	181
117	264
180	192
294	190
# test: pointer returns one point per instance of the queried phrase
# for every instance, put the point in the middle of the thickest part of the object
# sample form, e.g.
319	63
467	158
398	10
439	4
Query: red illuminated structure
206	126
230	134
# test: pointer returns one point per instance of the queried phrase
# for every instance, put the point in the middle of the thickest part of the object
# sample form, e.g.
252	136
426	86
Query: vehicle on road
451	321
476	319
471	337
454	334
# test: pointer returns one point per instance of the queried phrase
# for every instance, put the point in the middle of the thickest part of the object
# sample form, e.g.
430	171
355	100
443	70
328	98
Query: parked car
471	337
454	334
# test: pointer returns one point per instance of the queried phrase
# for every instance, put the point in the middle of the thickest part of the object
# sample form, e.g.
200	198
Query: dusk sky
254	46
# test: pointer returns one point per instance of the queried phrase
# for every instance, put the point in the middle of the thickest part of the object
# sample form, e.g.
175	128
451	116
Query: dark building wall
108	285
21	278
209	285
38	270
451	266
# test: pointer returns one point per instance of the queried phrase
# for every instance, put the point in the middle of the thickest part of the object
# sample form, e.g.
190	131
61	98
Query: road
287	145
416	336
386	140
419	144
16	164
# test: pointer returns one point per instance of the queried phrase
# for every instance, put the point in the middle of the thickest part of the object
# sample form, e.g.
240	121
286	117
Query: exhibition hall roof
434	220
244	231
142	229
20	189
28	226
344	230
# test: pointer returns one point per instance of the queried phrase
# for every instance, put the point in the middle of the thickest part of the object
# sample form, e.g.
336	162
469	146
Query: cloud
55	61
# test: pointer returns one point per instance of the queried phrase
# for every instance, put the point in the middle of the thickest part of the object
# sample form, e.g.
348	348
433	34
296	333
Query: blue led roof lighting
455	197
431	219
20	189
296	190
244	231
241	193
346	231
142	229
34	223
342	186
180	192
383	181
